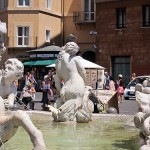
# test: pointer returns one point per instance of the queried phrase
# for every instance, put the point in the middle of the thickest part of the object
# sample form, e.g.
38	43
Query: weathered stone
74	102
9	120
142	118
111	110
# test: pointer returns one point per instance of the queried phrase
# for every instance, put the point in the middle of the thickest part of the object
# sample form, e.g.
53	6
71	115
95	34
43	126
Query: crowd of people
48	88
118	85
29	83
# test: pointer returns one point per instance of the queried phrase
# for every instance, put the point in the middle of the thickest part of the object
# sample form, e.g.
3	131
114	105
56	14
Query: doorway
89	55
121	65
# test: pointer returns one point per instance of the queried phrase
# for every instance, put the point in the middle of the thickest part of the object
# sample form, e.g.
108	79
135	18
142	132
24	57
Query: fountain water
115	132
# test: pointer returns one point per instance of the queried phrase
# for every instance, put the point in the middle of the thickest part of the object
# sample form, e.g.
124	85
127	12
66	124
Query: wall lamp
93	33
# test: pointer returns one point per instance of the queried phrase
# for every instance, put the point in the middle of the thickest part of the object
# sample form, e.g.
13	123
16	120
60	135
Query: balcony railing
83	17
30	41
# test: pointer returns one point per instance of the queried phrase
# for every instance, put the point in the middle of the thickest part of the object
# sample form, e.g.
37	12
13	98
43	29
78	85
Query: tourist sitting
28	95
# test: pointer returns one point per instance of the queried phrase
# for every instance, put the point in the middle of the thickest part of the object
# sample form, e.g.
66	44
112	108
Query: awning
46	49
39	62
86	64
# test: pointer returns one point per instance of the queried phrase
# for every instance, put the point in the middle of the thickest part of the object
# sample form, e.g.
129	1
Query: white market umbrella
89	64
86	64
52	65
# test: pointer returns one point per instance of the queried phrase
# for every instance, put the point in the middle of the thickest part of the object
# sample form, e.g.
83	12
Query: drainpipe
62	21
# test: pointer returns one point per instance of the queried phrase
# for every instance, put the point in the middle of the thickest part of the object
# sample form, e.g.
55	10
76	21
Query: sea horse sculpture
142	118
74	102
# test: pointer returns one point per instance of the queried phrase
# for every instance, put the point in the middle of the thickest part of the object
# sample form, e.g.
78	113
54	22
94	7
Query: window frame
146	15
3	4
23	37
89	14
49	4
121	17
24	3
47	36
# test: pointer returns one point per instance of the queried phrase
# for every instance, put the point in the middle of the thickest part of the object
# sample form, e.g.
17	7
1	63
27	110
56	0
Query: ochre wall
39	19
84	39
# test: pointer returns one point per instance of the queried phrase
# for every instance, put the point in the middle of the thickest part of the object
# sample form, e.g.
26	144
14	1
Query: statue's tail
53	109
67	111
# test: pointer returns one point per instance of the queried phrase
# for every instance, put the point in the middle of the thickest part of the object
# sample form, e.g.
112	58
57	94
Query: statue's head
13	68
71	38
71	48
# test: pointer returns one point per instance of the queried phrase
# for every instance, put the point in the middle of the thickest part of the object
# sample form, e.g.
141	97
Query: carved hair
71	46
71	38
18	64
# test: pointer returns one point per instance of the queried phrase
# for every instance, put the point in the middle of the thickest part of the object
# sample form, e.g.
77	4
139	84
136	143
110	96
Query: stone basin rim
94	115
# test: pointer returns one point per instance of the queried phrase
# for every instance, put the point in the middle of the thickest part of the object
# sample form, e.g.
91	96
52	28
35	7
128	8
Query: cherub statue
72	103
142	118
10	121
13	71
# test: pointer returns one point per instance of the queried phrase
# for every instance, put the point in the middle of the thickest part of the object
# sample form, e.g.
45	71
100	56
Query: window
23	36
47	35
48	4
89	10
3	4
25	3
146	16
121	17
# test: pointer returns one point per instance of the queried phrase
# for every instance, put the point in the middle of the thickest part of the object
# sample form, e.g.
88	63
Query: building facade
30	24
80	19
33	24
123	35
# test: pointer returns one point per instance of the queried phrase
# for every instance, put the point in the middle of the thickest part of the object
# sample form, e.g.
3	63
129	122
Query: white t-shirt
46	86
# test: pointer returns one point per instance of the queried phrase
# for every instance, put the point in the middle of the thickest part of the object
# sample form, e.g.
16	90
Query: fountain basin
105	131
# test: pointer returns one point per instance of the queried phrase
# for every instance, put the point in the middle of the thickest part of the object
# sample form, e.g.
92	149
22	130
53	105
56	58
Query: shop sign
32	56
56	55
45	55
22	56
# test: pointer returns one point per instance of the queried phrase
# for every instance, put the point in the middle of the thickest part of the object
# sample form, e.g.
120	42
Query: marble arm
11	99
80	68
57	80
21	118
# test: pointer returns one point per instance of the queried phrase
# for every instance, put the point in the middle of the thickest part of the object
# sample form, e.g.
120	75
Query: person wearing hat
120	76
120	88
119	79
